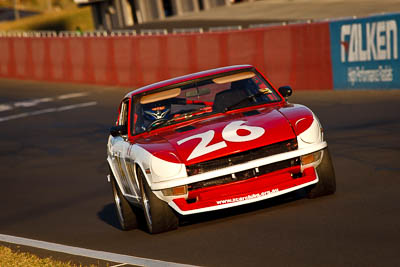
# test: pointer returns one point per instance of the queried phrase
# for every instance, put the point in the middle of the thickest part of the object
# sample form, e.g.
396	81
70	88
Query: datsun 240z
212	140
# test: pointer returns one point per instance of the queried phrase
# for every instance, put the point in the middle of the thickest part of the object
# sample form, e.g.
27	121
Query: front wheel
326	174
126	216
159	216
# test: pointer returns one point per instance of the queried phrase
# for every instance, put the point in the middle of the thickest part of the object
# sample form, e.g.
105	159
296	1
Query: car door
123	166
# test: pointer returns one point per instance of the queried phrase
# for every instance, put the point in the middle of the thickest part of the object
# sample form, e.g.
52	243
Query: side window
123	114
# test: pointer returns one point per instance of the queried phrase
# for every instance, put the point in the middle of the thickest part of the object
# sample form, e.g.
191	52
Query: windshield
200	98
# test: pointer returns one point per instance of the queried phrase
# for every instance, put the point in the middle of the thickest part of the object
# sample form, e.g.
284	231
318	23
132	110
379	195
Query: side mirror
119	130
285	91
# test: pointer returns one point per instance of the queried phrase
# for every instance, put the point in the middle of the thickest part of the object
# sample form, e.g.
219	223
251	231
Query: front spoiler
244	192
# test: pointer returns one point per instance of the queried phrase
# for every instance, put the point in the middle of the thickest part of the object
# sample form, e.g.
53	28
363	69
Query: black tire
326	174
158	215
126	216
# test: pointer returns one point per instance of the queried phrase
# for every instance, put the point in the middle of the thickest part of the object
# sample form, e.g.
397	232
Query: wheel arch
139	167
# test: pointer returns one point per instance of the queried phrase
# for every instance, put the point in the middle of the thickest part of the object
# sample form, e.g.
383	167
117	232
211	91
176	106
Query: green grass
9	258
62	20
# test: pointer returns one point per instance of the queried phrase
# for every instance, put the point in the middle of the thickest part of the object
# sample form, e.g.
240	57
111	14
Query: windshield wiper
156	124
242	100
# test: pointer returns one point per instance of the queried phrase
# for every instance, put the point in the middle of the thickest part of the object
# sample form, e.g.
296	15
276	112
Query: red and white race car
212	140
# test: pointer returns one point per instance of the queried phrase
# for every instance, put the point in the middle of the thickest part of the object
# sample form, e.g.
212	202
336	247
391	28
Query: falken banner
365	52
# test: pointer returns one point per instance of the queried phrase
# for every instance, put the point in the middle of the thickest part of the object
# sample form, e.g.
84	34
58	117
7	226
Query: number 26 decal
229	133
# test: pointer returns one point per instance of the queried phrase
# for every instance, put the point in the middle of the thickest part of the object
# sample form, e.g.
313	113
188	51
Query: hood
219	136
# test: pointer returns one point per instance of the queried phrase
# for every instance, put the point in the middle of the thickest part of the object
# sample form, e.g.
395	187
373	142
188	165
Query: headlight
162	169
310	133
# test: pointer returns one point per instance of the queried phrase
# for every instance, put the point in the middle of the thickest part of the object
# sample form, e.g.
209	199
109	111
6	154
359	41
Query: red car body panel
277	121
275	125
298	116
242	190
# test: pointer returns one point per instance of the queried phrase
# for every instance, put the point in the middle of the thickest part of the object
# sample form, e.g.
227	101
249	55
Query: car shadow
243	209
109	215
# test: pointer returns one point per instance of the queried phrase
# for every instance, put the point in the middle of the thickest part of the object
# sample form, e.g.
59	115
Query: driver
156	111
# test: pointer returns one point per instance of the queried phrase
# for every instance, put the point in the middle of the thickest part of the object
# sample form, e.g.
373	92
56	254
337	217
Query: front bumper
244	192
238	168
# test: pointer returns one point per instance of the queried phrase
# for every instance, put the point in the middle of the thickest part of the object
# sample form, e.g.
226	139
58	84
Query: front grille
247	174
242	157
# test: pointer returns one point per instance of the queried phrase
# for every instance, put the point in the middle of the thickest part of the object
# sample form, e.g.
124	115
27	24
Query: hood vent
251	113
185	129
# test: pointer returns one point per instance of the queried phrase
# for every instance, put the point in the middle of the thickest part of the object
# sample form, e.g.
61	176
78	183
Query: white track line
5	107
74	106
118	265
73	95
47	110
89	253
35	102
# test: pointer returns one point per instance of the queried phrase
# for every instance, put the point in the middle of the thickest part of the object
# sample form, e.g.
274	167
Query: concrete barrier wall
298	55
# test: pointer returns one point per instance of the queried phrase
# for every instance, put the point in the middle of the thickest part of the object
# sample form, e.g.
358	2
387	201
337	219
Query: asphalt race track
53	185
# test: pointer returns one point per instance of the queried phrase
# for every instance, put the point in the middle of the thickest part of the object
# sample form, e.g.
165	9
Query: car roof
185	78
